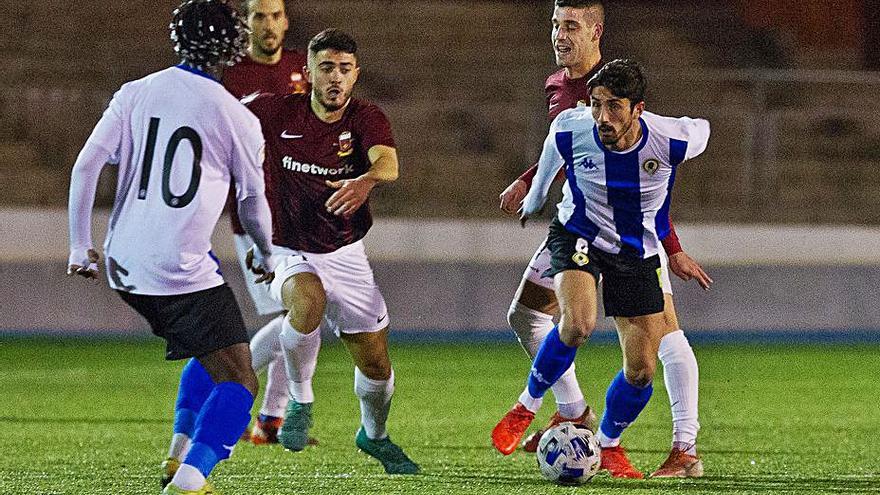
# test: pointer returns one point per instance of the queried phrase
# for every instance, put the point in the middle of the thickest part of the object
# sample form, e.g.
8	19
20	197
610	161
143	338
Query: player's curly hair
623	78
208	33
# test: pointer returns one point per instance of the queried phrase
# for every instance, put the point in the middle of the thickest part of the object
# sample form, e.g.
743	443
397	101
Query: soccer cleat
294	434
392	457
679	464
169	468
265	430
510	430
207	489
588	419
615	461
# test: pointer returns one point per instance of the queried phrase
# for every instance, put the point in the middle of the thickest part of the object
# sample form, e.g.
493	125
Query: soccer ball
569	454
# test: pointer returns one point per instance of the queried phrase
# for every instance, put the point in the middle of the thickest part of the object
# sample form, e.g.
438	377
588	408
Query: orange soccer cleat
265	430
588	419
614	460
679	464
510	430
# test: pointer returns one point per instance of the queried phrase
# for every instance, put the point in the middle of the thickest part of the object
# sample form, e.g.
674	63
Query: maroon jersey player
325	152
578	26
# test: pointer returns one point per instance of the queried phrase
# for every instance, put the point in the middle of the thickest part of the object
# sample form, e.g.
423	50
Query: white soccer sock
531	403
275	396
681	375
375	399
180	445
264	344
605	441
188	478
301	357
531	327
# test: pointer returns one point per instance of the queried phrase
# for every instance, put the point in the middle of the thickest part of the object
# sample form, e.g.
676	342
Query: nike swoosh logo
285	135
229	447
553	105
379	320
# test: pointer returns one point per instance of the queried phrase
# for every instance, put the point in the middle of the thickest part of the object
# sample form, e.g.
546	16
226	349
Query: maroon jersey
563	93
248	77
302	153
285	77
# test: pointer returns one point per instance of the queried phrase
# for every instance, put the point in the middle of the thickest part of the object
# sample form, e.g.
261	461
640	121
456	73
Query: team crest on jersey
651	166
298	84
345	144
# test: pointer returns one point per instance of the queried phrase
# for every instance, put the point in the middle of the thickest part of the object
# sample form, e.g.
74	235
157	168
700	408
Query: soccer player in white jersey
619	163
178	138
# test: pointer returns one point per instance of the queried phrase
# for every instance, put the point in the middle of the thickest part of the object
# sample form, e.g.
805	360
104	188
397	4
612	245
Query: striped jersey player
616	200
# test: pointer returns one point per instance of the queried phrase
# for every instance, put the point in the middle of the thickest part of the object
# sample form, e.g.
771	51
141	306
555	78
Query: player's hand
523	217
259	265
83	263
685	268
350	195
513	196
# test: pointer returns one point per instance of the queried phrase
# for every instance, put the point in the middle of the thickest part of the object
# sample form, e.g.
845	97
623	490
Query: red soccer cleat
588	419
508	432
265	430
614	459
680	464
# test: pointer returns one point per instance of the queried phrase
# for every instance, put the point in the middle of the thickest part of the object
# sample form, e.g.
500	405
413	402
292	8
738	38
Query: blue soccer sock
195	387
623	404
219	425
551	361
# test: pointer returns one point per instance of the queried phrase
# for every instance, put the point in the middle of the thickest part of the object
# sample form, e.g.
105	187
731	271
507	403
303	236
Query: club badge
651	166
298	84
345	144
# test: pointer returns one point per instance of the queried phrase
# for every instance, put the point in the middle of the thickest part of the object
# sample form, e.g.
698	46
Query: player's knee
639	375
575	331
305	299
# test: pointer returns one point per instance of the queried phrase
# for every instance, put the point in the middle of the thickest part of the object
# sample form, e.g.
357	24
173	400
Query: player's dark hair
333	39
208	33
584	4
623	78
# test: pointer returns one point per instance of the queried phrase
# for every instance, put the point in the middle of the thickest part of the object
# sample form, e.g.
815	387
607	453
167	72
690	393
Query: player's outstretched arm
83	258
548	165
351	194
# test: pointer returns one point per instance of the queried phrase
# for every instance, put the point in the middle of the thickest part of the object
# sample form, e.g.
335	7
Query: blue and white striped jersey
618	201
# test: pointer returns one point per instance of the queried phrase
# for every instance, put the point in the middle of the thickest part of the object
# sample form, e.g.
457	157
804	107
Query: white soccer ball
569	454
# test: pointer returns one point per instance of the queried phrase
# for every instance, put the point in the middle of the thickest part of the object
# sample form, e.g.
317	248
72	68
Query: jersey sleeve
374	127
247	155
697	131
107	134
548	165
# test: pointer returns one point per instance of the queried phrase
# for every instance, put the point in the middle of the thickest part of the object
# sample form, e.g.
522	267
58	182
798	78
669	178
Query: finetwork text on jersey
310	168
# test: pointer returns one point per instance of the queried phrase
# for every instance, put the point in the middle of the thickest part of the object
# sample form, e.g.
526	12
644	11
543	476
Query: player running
578	26
179	138
267	68
325	152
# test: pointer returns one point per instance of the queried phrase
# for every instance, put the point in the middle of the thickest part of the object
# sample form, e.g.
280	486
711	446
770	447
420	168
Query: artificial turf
94	417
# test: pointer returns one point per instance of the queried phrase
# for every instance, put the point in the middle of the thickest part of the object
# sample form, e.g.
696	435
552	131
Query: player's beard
332	106
611	140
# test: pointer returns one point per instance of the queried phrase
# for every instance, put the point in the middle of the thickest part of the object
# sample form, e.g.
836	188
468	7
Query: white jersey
617	201
178	137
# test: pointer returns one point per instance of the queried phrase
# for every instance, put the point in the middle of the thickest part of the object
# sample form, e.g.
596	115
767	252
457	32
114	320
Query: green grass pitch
93	418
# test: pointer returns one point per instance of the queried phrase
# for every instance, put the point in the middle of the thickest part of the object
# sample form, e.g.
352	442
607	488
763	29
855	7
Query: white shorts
259	292
540	262
354	303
